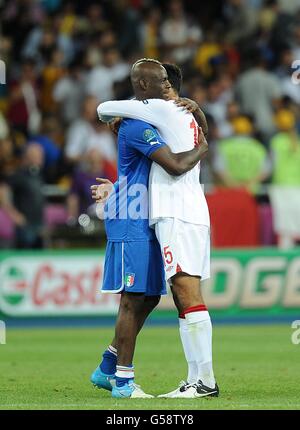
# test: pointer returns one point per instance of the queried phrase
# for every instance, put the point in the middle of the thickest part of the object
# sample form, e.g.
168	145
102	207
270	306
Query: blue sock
122	381
108	363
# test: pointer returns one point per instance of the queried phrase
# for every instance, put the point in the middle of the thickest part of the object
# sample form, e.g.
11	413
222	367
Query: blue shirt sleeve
144	138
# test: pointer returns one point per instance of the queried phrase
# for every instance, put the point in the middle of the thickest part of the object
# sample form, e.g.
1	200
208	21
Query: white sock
188	351
112	349
200	331
125	372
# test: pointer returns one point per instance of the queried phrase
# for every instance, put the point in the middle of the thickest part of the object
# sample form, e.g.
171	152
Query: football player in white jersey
178	211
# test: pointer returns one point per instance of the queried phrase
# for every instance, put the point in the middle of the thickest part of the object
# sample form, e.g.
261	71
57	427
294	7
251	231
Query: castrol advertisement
243	283
54	285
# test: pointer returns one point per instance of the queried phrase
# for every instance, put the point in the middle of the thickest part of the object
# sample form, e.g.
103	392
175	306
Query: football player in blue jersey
133	261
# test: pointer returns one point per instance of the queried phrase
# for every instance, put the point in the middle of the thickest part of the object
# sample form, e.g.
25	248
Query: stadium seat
55	214
267	233
7	229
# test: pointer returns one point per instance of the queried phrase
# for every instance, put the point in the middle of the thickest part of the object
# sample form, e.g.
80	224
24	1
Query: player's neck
143	97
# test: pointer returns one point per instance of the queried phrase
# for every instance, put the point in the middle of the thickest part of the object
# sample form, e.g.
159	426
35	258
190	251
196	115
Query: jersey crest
129	279
149	135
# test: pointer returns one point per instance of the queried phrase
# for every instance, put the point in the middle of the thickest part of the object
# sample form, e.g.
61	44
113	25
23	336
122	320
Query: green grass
257	367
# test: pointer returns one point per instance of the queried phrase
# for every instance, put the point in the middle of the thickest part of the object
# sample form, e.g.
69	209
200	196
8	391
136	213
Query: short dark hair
174	76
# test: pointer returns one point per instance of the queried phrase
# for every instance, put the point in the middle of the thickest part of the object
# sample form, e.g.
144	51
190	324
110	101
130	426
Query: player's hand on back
115	125
202	142
187	104
102	190
193	107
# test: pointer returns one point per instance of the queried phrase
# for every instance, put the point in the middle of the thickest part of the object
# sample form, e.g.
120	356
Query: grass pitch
257	367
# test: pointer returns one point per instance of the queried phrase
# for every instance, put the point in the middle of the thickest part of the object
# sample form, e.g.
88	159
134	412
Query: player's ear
143	84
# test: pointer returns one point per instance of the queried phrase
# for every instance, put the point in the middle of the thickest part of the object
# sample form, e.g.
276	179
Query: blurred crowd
239	62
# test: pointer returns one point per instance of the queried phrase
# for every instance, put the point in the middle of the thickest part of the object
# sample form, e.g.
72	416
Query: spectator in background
258	92
93	165
43	39
241	160
68	19
216	105
51	73
285	194
282	30
68	93
87	133
51	5
98	43
10	217
285	150
101	78
4	130
17	20
8	160
290	6
268	14
28	200
95	19
127	21
48	139
208	50
150	33
23	111
180	36
241	21
197	92
233	114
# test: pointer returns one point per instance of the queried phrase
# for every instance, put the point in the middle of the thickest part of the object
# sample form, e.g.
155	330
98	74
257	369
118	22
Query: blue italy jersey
127	208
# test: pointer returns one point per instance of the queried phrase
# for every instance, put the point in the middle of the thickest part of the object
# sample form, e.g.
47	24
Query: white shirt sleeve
153	111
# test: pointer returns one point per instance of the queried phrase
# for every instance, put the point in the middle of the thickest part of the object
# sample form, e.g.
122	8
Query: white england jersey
170	196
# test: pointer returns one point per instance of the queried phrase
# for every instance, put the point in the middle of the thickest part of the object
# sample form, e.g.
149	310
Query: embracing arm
153	114
201	120
182	162
135	109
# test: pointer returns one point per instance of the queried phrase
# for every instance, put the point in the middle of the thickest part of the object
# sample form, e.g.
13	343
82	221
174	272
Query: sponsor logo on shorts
129	279
178	268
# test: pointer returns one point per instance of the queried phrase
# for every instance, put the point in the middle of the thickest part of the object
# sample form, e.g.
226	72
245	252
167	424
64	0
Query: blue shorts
134	267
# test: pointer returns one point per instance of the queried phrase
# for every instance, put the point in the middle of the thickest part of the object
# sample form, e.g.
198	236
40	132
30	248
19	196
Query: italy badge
129	279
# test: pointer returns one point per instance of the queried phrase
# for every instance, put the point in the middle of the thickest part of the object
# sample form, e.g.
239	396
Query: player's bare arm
193	107
182	162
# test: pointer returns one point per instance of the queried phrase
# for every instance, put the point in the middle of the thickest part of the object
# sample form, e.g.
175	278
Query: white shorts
185	247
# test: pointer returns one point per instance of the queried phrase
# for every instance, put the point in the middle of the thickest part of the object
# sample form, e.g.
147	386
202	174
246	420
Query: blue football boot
102	380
